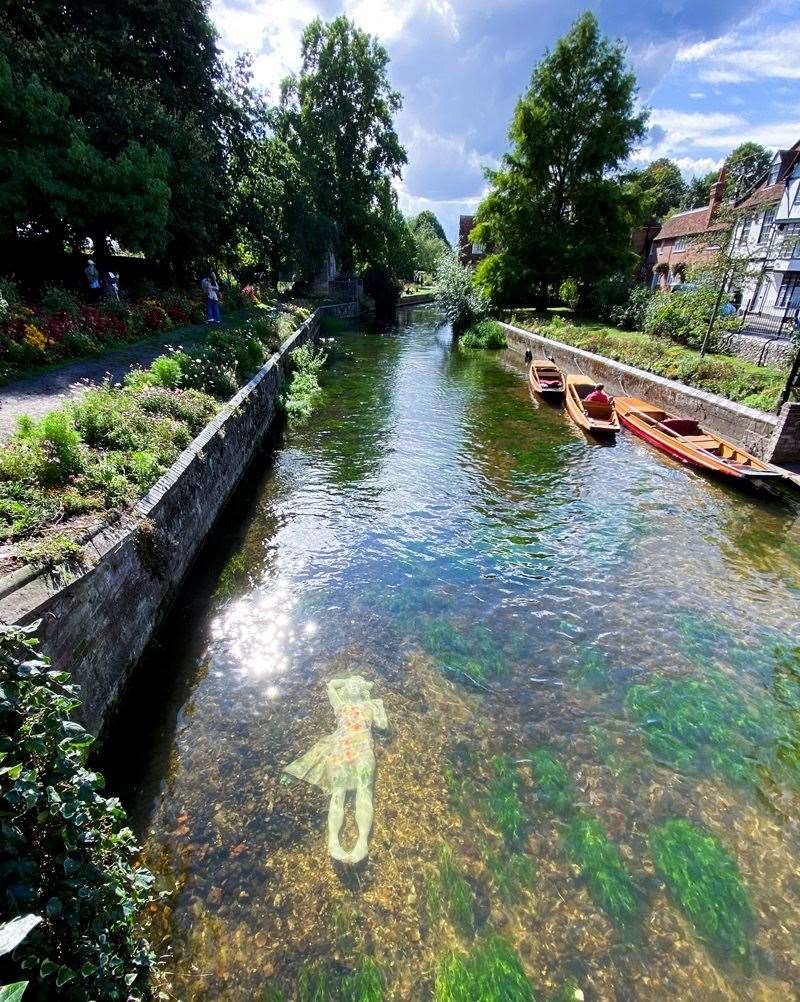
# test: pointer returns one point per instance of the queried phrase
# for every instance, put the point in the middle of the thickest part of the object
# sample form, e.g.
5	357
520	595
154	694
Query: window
796	201
774	170
789	245
478	249
743	233
789	292
766	222
680	244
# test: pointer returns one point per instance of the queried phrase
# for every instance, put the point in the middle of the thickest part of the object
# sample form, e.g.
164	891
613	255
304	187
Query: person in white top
210	287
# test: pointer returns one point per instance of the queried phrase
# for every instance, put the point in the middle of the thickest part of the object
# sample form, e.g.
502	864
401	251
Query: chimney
716	193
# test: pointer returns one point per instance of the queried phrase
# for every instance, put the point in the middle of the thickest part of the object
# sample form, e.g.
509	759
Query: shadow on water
588	661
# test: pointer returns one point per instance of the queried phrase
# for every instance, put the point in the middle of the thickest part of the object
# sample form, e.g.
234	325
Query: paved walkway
35	395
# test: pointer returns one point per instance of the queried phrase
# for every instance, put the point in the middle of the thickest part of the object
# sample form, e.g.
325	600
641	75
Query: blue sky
713	72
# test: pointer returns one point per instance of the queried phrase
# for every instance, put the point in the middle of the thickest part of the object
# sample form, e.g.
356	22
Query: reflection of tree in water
350	430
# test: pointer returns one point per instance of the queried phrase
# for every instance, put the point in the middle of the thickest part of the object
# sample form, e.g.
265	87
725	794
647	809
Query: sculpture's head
356	689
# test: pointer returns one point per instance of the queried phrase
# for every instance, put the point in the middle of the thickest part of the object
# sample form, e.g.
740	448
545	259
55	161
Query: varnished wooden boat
546	378
596	418
686	440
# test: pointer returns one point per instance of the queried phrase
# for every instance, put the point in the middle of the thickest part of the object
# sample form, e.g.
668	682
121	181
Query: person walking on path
210	288
93	280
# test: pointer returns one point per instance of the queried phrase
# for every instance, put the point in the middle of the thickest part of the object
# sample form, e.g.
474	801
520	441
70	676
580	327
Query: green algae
470	653
699	726
601	866
233	576
511	875
501	803
591	670
449	895
492	972
270	994
704	880
554	789
321	982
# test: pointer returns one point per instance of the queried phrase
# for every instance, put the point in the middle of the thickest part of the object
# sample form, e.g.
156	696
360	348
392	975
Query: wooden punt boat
597	418
686	440
546	378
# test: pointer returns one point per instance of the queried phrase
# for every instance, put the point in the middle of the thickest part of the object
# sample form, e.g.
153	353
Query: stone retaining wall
98	624
762	351
757	431
420	299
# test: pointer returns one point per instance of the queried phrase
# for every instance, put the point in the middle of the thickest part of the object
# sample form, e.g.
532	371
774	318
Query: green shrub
65	853
601	866
569	293
456	294
492	972
683	317
47	452
304	391
705	882
486	334
77	343
630	314
166	371
57	299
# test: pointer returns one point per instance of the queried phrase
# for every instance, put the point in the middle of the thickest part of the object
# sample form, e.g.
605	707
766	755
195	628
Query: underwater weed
450	895
705	882
512	875
501	803
471	654
601	865
590	670
492	972
321	982
693	725
554	789
232	577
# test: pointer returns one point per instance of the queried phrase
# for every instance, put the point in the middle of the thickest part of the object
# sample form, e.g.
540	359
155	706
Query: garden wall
761	351
755	430
97	624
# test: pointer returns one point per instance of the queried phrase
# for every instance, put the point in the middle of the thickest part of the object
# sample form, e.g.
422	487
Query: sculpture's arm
334	686
379	717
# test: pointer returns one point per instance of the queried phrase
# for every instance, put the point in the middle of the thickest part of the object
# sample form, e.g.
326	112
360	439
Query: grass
726	375
486	335
601	865
105	451
450	896
704	880
492	972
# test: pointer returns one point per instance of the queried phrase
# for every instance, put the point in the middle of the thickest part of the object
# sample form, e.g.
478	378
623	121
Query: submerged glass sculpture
344	761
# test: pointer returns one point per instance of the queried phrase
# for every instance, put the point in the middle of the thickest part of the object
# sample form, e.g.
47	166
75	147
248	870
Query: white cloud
747	54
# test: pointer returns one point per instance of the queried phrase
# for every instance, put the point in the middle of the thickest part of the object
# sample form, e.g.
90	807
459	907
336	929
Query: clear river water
589	659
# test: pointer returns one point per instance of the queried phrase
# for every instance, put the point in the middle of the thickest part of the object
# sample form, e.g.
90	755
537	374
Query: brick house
468	252
687	239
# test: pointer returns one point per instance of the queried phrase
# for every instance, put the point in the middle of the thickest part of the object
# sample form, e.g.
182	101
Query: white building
768	234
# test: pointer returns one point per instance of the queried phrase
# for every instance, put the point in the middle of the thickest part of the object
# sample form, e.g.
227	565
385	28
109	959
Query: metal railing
770	325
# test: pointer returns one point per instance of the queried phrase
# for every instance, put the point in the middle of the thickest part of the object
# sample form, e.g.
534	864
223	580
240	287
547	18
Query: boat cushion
681	426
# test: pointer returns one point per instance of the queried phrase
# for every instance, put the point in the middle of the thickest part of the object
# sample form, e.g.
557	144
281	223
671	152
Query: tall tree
660	187
336	116
744	166
555	209
427	220
698	190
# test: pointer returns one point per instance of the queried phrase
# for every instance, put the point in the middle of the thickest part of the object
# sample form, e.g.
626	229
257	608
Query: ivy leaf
12	933
64	975
13	993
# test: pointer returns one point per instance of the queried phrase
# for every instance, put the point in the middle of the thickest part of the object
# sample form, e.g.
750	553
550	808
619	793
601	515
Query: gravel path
35	395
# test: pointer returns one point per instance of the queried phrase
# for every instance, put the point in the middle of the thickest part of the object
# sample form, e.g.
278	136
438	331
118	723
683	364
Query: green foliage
731	377
569	293
50	551
325	983
427	222
541	215
554	788
467	654
683	317
501	802
57	299
492	972
449	895
745	166
45	452
698	190
659	187
694	725
705	882
166	371
486	334
630	314
304	390
601	866
65	853
456	294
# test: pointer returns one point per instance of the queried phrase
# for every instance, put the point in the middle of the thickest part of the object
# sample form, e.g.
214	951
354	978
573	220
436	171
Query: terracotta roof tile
685	224
769	193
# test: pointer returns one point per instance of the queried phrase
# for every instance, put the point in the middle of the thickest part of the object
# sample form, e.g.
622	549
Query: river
580	647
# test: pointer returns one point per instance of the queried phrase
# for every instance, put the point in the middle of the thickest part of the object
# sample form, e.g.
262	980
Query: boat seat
598	410
682	426
703	442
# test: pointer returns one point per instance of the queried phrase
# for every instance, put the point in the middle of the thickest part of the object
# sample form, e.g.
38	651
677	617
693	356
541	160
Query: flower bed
726	375
66	472
60	327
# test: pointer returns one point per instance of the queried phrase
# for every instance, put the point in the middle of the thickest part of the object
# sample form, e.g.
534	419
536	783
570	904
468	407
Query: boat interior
594	409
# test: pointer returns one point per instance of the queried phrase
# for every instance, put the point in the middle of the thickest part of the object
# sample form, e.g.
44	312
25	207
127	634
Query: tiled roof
684	224
769	193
